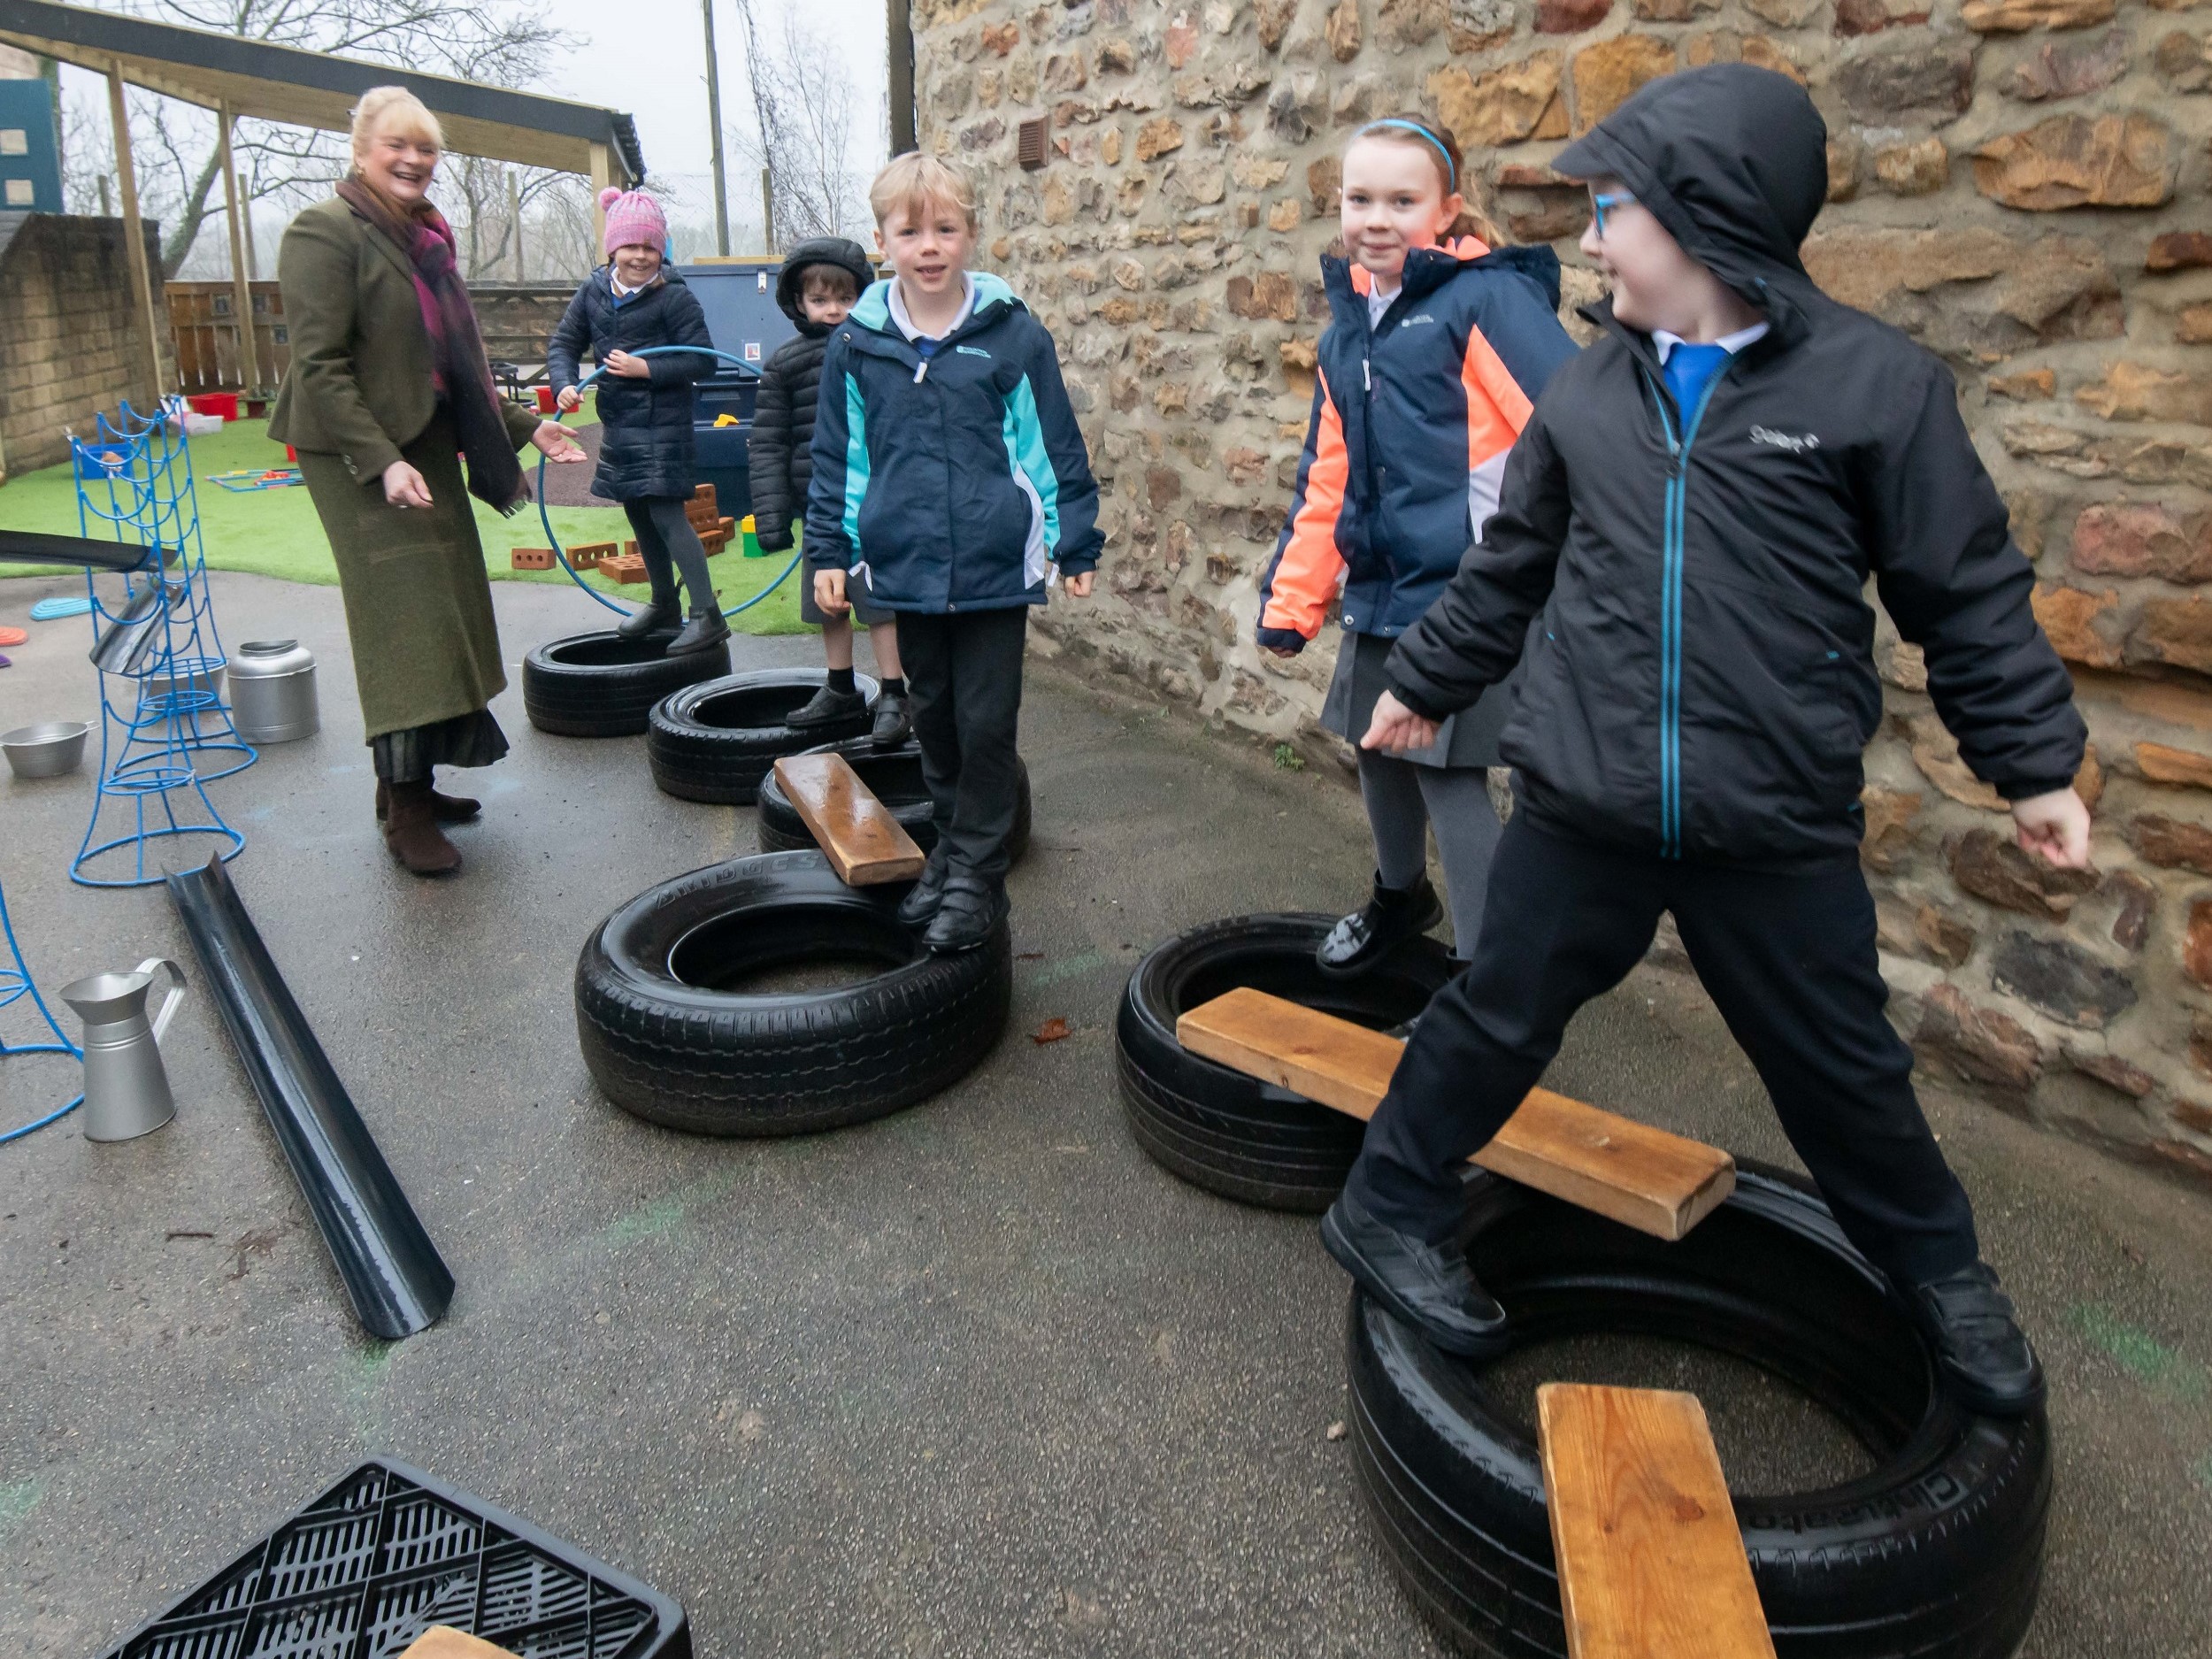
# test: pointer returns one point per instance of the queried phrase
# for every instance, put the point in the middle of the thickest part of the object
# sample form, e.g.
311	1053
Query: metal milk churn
126	1087
272	691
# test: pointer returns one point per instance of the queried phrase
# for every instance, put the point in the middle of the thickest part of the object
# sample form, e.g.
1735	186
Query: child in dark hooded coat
1691	517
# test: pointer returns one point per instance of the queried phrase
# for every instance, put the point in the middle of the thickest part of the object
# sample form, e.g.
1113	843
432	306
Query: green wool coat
357	398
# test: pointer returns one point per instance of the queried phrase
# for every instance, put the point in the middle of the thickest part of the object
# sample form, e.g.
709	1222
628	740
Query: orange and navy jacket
1412	421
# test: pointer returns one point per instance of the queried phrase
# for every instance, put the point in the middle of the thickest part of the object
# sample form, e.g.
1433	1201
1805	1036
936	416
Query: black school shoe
893	725
702	633
1390	916
928	892
1429	1287
661	615
970	912
825	706
1982	1355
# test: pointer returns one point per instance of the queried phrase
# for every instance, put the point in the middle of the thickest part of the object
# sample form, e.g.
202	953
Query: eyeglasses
1600	203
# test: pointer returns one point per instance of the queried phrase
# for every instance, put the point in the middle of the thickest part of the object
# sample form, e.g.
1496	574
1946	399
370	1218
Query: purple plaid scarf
460	372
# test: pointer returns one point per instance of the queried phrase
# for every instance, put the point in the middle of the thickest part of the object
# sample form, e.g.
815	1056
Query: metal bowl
45	750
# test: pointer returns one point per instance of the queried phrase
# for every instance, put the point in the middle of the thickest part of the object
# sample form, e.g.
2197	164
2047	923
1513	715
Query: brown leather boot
410	830
447	809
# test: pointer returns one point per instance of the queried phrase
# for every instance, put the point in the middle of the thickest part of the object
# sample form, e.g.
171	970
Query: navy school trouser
963	689
1787	957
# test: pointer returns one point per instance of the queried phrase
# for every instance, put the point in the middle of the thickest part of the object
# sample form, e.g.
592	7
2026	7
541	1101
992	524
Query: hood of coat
992	298
1428	269
846	255
1733	161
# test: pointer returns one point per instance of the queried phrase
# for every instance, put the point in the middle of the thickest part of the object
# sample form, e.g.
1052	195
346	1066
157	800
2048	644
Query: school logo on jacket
1792	442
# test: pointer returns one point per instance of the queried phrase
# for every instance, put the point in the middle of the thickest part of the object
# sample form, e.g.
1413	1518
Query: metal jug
126	1087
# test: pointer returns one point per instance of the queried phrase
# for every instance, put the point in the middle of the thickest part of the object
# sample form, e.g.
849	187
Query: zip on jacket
950	476
1413	417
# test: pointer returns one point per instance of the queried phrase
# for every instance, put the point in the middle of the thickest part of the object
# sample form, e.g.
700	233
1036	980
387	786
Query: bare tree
498	44
802	97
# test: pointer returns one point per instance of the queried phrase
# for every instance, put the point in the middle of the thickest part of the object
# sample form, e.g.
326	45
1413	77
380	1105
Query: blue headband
1430	139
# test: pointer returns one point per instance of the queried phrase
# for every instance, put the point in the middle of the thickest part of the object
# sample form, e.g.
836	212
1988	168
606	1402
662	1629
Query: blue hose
546	519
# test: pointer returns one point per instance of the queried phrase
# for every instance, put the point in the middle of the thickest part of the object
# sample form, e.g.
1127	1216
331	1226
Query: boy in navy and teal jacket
950	483
1690	519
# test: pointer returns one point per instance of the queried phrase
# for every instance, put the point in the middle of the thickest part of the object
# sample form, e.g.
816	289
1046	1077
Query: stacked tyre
1218	1128
675	1031
602	685
893	776
1936	1552
716	740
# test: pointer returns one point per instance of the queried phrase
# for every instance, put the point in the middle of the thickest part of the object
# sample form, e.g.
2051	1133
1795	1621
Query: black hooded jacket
777	452
1701	683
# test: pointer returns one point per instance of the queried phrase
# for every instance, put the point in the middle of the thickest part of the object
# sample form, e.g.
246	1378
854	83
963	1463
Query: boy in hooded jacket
1690	517
817	288
950	482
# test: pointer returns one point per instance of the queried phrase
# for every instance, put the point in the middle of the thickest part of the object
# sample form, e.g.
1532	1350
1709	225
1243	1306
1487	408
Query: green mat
275	532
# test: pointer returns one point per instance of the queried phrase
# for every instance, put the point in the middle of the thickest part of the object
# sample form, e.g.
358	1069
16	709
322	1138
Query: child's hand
1396	728
629	367
570	400
829	592
2054	825
558	443
1080	586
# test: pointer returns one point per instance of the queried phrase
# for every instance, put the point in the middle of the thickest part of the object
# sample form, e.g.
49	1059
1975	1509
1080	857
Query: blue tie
1689	369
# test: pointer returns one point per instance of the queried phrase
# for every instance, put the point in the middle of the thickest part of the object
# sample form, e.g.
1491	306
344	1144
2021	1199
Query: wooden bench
1643	1177
866	845
1651	1565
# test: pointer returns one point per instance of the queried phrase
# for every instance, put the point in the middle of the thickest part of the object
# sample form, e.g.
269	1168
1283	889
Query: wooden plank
1651	1565
443	1641
1643	1177
866	845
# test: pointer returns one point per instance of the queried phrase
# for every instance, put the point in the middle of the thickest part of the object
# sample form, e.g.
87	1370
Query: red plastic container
546	396
223	403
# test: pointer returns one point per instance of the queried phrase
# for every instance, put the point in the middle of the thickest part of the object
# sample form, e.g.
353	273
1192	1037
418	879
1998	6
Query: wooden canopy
308	88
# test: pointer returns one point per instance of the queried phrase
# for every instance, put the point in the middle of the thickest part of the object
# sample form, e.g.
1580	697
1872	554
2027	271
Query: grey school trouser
1403	800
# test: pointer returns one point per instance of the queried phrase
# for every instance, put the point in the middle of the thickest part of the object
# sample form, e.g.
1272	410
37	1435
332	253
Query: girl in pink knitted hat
630	303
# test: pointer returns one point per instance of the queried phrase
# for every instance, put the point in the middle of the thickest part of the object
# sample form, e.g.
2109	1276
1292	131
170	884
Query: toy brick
590	554
626	570
533	558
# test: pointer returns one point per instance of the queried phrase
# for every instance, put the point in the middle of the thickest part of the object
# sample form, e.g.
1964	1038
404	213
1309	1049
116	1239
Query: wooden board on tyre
866	845
1643	1177
1651	1565
443	1641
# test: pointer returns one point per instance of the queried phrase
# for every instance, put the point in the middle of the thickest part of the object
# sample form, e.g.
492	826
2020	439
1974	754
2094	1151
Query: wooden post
602	176
133	228
514	212
714	135
767	212
242	289
899	53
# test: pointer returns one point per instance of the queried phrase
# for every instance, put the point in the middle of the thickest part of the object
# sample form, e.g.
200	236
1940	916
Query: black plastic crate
388	1551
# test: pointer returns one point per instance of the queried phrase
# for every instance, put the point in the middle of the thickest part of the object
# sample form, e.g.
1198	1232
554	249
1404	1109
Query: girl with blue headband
1437	346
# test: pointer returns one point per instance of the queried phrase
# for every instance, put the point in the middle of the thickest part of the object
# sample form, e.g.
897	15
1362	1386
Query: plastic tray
387	1553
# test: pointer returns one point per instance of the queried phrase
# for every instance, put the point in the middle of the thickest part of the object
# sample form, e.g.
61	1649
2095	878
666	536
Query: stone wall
71	339
2020	184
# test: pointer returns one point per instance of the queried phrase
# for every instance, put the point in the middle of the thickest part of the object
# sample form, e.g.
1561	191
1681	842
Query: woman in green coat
389	388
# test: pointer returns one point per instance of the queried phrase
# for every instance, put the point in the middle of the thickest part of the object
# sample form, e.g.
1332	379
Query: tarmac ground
977	1379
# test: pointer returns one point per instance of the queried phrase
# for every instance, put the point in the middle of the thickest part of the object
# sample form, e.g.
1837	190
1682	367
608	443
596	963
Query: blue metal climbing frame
165	731
16	984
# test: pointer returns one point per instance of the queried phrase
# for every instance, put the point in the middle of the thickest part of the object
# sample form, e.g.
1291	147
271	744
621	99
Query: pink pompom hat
632	218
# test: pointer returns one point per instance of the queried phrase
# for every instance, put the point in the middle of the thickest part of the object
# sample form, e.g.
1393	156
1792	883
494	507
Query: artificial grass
275	532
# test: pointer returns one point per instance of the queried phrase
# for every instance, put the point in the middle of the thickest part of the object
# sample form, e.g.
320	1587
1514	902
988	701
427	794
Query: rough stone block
2143	539
1942	936
1869	17
1502	106
2069	69
1971	293
2175	631
1605	74
1994	868
1158	137
1342	31
2061	980
2138	391
2196	950
1920	169
2069	617
1930	78
1887	842
2178	250
2079	161
2194	326
2111	1071
1400	25
2027	386
2014	17
1570	17
1978	1045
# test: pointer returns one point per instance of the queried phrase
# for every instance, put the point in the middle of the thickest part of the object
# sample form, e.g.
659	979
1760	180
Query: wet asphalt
975	1380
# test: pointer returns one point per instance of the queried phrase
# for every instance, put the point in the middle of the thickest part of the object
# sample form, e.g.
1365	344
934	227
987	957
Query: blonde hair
382	107
918	182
